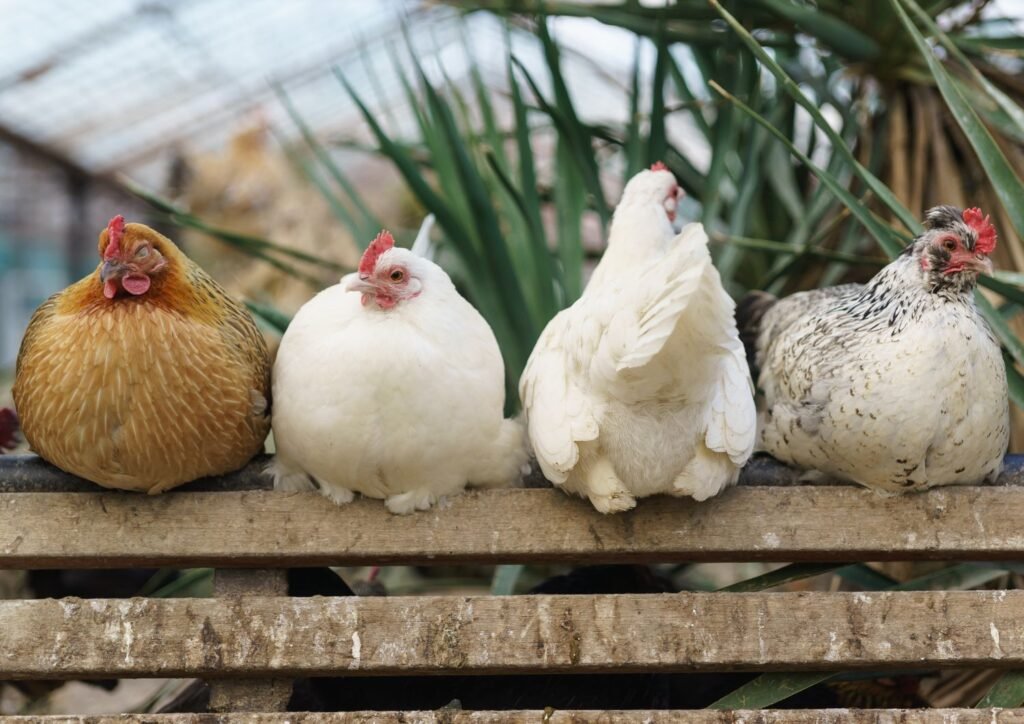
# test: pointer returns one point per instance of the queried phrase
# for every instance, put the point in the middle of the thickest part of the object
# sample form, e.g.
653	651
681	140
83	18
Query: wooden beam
250	695
268	529
281	637
550	716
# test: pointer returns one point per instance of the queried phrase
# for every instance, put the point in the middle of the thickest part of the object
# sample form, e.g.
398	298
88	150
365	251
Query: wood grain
268	529
653	716
265	637
250	695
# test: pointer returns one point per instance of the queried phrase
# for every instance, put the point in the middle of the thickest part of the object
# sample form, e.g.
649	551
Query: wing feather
641	326
559	410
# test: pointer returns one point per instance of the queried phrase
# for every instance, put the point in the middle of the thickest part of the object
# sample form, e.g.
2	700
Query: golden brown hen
145	374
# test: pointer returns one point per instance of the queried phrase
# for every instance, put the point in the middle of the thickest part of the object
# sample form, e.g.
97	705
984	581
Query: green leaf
688	96
496	256
883	193
1004	180
574	132
505	579
192	583
340	211
544	268
631	146
768	689
1006	693
857	573
833	32
958	577
366	227
1011	292
410	172
742	79
657	142
273	316
786	574
885	236
1006	276
570	203
865	577
1001	328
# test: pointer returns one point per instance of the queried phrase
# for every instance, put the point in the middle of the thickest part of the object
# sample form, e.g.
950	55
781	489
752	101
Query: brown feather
144	392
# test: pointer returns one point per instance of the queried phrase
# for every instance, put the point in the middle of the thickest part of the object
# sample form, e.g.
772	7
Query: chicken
390	384
145	374
641	387
897	384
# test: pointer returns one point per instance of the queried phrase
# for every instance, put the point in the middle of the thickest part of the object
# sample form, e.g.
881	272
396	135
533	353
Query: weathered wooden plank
250	695
30	474
273	530
258	637
652	716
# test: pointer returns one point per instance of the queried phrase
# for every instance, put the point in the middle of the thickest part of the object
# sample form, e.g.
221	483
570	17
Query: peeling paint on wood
243	637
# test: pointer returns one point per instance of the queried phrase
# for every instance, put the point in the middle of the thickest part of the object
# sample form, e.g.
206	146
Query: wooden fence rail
250	640
259	636
268	529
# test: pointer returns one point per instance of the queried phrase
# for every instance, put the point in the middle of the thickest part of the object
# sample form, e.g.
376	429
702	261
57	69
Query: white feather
423	246
641	387
403	404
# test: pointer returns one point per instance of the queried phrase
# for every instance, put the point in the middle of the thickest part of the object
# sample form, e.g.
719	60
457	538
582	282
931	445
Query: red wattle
135	284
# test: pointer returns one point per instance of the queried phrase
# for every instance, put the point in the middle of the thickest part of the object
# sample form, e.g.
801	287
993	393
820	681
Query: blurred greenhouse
272	140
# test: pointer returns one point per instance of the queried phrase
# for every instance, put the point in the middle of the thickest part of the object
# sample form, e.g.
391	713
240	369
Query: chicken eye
949	243
142	252
397	275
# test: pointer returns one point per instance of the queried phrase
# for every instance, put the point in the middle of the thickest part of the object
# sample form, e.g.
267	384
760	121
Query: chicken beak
110	270
363	286
982	264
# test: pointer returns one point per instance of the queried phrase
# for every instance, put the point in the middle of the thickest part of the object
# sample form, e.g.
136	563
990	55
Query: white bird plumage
642	387
394	392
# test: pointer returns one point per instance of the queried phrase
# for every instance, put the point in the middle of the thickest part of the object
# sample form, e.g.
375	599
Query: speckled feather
898	384
144	392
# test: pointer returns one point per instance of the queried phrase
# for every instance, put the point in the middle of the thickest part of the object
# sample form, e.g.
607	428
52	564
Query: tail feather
749	312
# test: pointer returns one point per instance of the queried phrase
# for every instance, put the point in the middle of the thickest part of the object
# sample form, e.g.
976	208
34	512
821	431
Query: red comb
115	231
378	246
659	166
986	243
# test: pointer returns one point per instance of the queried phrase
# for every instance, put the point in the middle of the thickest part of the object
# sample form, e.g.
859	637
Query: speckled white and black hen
897	384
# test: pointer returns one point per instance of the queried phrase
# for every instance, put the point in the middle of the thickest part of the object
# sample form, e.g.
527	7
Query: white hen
391	385
641	387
